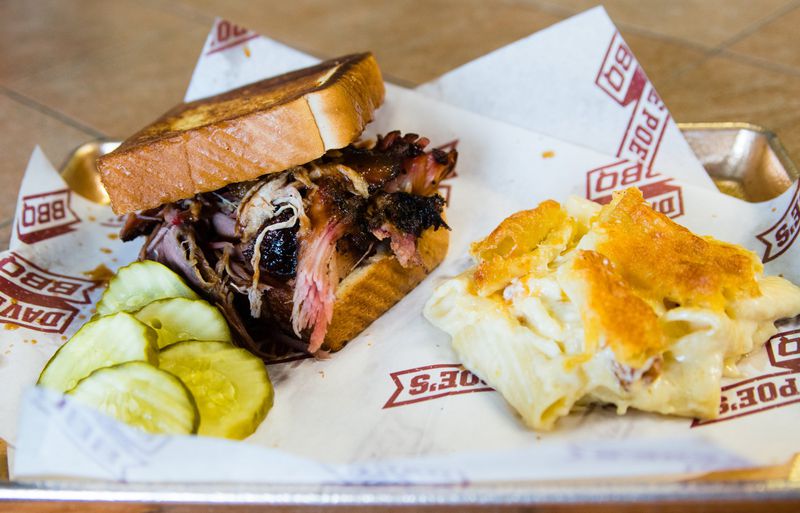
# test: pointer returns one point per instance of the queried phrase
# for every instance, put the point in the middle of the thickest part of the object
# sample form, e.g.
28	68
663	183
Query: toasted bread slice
372	289
264	127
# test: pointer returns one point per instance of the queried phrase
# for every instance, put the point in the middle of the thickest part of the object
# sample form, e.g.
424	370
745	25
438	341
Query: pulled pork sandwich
262	200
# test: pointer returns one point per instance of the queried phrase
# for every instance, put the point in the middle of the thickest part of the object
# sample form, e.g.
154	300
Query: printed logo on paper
432	382
782	234
621	77
45	215
228	35
767	392
37	299
446	189
662	194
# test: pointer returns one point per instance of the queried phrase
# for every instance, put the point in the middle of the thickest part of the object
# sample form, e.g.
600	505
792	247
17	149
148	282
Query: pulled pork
271	252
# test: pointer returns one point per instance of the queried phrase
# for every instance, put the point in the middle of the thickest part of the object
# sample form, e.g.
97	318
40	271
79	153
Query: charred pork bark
281	244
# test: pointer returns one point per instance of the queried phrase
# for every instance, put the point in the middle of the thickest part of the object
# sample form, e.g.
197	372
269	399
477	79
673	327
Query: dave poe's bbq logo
432	382
45	215
621	77
782	234
228	35
37	299
767	392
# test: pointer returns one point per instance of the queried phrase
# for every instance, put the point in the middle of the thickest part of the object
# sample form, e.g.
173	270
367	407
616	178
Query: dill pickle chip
140	395
140	283
178	319
103	342
230	385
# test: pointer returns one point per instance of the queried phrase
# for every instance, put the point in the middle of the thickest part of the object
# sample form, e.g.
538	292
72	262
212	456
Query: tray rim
571	492
772	139
483	494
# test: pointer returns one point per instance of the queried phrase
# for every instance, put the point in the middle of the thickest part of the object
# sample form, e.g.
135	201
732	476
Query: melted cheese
620	314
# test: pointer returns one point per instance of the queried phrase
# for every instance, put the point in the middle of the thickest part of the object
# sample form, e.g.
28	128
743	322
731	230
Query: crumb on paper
101	273
64	337
92	218
773	209
113	236
11	327
548	154
322	374
246	50
81	317
106	250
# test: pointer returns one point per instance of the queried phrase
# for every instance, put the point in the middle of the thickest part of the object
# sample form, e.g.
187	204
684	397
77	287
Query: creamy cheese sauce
527	341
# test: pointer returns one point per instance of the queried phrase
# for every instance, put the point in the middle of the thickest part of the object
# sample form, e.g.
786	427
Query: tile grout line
722	49
760	62
49	111
755	27
706	51
709	52
180	8
635	29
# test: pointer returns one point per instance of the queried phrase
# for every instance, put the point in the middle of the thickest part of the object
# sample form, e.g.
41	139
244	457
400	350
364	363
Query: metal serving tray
744	160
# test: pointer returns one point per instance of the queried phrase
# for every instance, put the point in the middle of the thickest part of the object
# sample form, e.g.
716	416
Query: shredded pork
271	252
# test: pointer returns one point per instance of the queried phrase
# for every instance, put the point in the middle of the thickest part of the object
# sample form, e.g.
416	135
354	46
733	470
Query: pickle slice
140	283
230	385
178	319
140	395
103	342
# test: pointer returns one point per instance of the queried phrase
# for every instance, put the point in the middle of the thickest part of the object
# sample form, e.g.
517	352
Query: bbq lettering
47	215
662	194
37	299
620	76
228	35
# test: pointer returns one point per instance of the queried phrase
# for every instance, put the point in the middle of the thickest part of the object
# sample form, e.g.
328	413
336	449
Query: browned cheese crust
264	127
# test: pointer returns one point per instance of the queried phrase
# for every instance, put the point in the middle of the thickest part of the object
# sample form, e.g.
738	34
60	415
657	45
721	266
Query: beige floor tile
5	236
705	22
724	89
777	42
414	41
23	128
662	59
112	65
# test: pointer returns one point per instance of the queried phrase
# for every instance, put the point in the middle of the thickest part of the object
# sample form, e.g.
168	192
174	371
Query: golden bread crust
264	127
368	292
